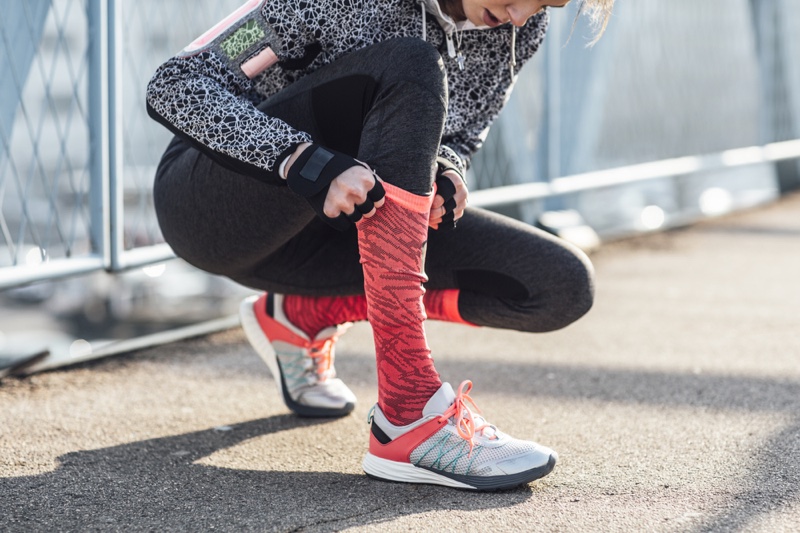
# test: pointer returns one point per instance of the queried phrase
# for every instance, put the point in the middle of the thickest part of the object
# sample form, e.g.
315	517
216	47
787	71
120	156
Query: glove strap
311	175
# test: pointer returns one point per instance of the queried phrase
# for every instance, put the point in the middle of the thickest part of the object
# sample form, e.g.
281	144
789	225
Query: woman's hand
461	197
350	189
347	190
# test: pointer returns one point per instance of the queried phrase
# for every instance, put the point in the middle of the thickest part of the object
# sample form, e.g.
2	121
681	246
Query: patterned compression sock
392	247
442	304
312	314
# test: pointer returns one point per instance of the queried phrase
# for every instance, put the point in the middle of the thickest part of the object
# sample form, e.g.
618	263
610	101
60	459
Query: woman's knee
571	295
413	60
403	129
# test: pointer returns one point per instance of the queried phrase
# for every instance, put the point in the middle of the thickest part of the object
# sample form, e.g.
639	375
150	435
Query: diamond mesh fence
44	178
668	79
46	115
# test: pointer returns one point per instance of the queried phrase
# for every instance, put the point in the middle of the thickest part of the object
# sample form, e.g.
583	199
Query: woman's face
496	12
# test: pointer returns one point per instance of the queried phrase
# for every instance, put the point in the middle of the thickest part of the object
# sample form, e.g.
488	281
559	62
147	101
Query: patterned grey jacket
208	93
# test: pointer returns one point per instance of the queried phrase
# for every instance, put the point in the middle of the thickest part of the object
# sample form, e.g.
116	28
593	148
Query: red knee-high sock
392	247
312	314
442	304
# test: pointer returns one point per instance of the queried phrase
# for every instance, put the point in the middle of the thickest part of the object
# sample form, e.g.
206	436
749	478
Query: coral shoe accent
400	449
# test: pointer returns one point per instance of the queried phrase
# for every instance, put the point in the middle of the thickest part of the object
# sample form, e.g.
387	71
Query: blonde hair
599	13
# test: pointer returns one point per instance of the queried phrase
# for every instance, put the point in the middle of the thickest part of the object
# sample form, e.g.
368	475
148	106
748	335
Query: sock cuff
450	305
442	304
411	201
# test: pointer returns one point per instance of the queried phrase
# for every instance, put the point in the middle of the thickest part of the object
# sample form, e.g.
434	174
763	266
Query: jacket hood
450	27
446	21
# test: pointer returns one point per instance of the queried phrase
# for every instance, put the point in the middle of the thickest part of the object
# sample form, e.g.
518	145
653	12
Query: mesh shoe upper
304	368
455	445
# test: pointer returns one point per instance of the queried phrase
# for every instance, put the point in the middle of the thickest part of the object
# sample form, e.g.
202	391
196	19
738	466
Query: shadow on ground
770	479
154	485
772	475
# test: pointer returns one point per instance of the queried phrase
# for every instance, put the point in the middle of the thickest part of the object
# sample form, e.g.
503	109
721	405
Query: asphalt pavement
674	406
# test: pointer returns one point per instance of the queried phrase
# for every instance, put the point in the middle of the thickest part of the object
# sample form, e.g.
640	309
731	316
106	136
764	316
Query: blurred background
684	110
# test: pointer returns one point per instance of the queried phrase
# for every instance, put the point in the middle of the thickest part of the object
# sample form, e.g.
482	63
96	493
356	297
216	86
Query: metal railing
78	153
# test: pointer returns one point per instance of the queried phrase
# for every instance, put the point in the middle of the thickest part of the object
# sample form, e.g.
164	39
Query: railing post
115	133
553	99
98	128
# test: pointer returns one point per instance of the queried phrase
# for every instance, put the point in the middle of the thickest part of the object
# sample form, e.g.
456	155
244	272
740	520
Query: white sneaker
453	446
303	368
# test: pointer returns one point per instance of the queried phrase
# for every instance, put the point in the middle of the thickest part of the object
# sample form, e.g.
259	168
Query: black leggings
385	105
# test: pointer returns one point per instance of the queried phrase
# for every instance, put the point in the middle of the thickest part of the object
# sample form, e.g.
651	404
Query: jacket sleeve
203	97
449	154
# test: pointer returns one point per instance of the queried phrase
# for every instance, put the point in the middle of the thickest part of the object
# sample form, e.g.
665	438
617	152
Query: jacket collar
445	21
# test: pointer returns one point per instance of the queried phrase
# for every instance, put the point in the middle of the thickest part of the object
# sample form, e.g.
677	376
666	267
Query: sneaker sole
386	470
263	347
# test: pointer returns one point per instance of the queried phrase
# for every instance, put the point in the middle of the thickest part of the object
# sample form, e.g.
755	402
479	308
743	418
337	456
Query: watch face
238	42
224	27
242	40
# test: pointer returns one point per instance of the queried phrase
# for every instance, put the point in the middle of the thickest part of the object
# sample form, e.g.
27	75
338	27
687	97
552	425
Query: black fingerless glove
311	175
446	189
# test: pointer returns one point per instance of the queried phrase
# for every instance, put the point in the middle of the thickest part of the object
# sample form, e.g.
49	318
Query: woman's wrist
283	170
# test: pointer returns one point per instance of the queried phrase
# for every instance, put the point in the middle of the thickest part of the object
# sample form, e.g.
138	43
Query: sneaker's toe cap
536	458
332	394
